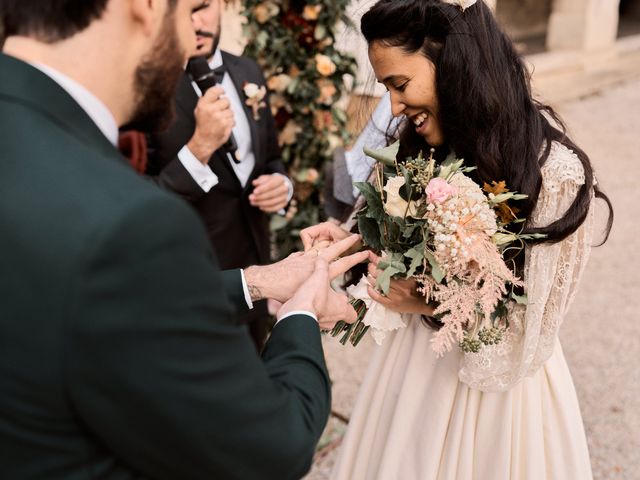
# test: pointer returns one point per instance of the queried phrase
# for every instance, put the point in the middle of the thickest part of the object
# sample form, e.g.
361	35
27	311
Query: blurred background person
234	192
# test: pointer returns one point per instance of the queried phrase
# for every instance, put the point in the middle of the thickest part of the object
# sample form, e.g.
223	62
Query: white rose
395	205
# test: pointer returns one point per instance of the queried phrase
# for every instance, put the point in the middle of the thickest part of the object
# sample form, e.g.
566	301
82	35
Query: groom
119	357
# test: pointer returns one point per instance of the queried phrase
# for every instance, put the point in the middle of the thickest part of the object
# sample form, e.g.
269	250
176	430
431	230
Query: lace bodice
552	273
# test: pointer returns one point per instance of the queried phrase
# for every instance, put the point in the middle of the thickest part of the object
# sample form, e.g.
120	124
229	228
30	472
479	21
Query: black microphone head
198	67
199	70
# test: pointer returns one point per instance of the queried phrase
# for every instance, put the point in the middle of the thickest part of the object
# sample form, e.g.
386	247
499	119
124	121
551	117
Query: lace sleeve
552	273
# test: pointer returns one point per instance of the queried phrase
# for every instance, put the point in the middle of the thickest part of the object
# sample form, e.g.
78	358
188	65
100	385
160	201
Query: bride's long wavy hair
487	113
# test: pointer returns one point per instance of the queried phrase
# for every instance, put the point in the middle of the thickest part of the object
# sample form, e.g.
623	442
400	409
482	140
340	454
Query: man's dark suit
117	355
238	231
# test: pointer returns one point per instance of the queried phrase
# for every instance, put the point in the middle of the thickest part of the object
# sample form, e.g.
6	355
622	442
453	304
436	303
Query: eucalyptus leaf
375	208
409	230
521	299
519	196
502	238
532	236
407	191
370	230
386	155
382	264
436	270
416	255
396	258
384	278
451	164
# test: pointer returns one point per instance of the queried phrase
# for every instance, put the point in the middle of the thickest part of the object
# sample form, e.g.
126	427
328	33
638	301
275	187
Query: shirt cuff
202	174
245	288
297	312
289	183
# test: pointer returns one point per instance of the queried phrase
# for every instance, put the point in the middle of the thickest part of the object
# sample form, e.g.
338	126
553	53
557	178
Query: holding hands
324	234
402	297
301	281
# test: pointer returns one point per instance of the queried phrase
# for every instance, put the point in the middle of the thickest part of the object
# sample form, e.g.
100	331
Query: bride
509	411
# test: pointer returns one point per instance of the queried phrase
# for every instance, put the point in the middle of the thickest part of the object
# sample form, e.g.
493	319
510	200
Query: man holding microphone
233	185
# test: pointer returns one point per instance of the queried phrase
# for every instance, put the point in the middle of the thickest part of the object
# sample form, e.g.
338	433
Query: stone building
583	25
586	28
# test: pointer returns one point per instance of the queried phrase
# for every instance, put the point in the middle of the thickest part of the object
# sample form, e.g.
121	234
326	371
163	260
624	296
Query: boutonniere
255	98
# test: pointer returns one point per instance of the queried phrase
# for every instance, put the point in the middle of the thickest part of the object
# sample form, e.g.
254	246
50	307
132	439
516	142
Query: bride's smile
421	122
411	81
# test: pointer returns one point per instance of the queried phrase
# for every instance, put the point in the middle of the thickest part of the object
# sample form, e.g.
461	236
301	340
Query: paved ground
601	336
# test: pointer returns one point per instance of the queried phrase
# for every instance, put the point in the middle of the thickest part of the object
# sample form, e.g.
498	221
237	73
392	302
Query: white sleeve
551	274
245	289
202	174
289	184
373	136
247	297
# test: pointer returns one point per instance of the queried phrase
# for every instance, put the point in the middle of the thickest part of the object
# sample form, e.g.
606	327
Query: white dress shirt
92	105
202	174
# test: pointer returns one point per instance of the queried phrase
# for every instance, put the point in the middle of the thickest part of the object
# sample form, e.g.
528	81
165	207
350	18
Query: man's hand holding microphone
214	122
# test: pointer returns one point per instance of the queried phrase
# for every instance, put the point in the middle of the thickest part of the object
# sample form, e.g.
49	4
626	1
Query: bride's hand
403	295
320	236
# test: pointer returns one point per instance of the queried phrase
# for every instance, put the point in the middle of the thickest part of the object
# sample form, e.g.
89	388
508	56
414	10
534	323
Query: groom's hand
315	295
281	280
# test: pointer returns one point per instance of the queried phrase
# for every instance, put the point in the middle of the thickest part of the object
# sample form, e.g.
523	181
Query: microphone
199	70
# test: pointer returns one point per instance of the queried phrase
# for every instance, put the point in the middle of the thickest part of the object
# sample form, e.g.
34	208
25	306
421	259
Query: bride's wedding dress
507	412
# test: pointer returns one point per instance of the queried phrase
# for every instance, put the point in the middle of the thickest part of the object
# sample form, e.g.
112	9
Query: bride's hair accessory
463	4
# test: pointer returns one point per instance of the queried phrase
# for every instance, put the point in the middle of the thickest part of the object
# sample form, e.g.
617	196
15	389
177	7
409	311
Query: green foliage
293	42
386	155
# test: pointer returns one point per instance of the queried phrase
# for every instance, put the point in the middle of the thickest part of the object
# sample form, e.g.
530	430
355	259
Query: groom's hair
50	20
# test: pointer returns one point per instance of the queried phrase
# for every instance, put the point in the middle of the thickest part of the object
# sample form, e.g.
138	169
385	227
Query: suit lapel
30	86
239	77
186	99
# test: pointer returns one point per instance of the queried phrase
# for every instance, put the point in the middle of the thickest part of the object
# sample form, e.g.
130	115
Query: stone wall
523	18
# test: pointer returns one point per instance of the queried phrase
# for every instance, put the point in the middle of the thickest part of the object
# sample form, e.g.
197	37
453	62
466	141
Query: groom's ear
147	16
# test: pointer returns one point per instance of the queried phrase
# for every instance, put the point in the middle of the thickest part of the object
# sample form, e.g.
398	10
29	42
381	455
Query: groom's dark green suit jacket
119	357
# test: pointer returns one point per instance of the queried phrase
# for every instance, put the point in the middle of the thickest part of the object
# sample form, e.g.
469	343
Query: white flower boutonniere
463	4
255	98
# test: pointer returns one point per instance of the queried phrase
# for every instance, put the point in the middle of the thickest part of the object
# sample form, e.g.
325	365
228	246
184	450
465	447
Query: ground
601	334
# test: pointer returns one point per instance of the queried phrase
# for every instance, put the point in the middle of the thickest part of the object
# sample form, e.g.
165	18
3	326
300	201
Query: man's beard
156	81
215	41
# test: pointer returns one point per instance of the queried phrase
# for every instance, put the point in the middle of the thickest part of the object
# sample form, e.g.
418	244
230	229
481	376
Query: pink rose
439	190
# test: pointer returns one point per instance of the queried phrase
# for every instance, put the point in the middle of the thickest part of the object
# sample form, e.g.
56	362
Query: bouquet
434	223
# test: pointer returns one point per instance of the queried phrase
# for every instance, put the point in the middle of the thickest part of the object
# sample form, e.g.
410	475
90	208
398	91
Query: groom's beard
156	81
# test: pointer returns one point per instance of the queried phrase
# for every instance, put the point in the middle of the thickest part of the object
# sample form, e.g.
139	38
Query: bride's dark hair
487	113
